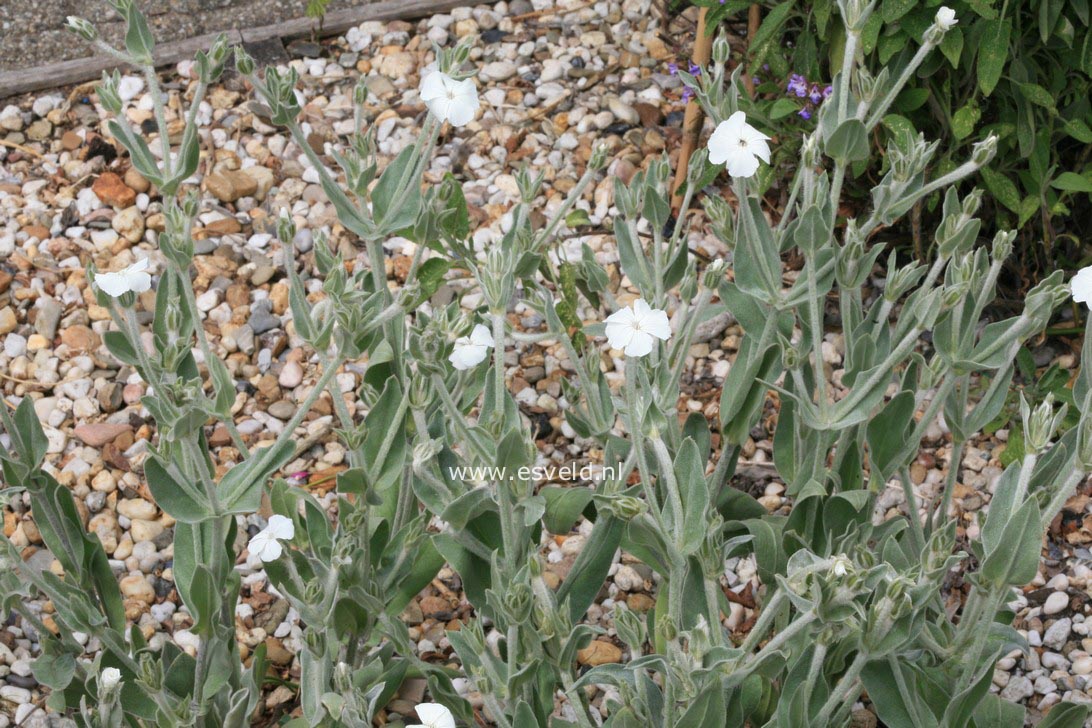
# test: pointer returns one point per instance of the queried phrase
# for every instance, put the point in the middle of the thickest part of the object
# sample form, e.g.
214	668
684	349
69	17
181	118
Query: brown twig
692	121
552	11
754	19
21	148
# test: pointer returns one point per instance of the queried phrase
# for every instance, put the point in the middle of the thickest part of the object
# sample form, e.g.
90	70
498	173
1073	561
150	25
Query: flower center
743	143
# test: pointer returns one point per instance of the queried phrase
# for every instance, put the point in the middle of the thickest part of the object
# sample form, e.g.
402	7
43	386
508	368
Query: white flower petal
432	86
1081	286
281	527
435	716
640	345
619	335
657	325
719	144
481	336
112	284
110	678
742	164
468	353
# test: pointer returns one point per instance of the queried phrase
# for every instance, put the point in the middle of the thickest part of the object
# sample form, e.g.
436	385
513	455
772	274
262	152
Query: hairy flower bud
244	63
360	91
109	95
714	273
425	452
82	28
984	151
1001	248
1040	423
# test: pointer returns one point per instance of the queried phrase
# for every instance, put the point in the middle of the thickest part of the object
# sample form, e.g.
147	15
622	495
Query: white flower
129	87
738	145
841	566
110	678
448	99
632	329
434	715
1081	285
135	278
945	18
471	350
266	543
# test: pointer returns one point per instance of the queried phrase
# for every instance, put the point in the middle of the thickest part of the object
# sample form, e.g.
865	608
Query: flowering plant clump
850	603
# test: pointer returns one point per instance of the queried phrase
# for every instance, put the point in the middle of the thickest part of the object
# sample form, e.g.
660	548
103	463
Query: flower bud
1002	245
425	452
244	63
667	628
108	92
984	151
286	228
722	51
1041	423
599	157
151	671
360	91
972	202
714	273
82	28
629	626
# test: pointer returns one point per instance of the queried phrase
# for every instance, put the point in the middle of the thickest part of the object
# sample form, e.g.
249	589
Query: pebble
1057	633
1055	603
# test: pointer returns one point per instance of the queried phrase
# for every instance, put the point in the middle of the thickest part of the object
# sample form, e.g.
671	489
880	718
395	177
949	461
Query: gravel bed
552	84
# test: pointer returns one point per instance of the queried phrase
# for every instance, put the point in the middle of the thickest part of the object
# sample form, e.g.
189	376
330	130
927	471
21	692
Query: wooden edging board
79	70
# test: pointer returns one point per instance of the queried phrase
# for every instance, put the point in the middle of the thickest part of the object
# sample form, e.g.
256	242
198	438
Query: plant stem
848	689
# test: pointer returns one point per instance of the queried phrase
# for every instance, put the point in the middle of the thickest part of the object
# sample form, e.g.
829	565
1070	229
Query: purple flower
673	68
804	114
756	80
695	69
815	94
797	85
828	91
687	93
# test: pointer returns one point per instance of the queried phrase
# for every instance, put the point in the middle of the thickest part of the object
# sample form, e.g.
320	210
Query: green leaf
1036	94
964	119
1002	188
849	142
1072	182
396	198
782	108
888	430
694	490
993	51
996	712
952	46
631	255
896	709
771	24
892	10
591	566
1066	715
204	599
431	276
1079	130
138	37
564	506
1016	560
241	488
172	497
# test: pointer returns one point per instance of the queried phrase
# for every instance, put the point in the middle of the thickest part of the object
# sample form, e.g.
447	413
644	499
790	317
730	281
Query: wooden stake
693	120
